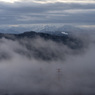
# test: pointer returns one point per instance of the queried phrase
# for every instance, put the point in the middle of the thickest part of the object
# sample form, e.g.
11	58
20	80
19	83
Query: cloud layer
68	71
57	11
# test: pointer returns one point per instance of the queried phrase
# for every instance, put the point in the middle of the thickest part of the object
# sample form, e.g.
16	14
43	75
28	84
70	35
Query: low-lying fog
45	67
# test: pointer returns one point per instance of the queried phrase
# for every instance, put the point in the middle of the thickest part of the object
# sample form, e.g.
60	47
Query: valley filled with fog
38	66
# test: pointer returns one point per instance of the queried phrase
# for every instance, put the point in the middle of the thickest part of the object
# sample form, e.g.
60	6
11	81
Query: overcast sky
75	12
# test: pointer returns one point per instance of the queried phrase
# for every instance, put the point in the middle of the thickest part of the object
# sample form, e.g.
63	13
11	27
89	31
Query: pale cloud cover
65	1
9	1
51	1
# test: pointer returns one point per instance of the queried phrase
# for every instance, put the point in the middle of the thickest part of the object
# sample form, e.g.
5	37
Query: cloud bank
24	68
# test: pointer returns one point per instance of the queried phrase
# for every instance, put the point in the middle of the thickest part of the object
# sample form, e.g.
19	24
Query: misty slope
70	41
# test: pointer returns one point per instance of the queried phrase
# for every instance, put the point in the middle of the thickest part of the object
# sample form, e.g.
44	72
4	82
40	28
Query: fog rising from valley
44	67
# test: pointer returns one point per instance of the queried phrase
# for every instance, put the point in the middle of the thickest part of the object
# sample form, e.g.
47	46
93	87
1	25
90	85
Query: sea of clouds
44	67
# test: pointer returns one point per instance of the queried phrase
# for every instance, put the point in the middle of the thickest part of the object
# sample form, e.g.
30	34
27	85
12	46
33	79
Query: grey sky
80	12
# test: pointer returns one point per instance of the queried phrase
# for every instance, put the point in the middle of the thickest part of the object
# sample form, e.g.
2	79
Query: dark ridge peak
32	34
29	32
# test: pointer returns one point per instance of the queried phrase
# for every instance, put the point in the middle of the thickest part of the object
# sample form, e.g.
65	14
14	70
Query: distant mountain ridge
46	28
60	38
